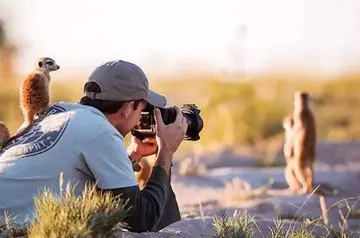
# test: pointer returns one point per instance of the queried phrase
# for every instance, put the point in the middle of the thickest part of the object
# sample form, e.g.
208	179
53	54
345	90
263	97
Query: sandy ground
202	197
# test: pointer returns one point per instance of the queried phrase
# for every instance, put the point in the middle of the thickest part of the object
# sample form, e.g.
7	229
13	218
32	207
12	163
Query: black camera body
191	112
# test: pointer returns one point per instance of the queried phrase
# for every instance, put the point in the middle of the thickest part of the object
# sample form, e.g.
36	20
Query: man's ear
126	109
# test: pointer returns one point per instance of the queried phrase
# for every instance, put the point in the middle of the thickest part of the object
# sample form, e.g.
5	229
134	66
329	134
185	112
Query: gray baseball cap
120	80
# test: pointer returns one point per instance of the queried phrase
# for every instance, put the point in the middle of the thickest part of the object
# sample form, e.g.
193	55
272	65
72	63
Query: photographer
85	142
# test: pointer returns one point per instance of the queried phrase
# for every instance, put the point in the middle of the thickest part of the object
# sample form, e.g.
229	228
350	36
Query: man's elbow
144	221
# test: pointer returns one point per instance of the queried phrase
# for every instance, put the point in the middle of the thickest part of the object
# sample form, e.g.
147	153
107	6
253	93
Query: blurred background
239	61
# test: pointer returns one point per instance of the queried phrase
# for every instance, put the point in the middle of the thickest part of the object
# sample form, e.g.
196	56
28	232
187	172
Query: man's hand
139	149
169	137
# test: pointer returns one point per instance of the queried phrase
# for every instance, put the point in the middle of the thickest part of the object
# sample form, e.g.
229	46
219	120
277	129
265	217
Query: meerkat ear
40	64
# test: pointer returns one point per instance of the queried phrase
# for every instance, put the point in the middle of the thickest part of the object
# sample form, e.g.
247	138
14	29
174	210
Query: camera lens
190	111
194	121
192	116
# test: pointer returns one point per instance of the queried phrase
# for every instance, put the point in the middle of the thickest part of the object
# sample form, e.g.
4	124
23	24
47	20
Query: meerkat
287	124
4	134
304	141
35	93
144	174
288	149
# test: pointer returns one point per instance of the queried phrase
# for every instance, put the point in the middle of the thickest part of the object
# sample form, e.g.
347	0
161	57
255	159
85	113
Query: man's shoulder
78	111
74	106
89	120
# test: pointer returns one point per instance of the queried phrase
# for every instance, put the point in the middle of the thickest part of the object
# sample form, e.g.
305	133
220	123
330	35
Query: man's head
121	91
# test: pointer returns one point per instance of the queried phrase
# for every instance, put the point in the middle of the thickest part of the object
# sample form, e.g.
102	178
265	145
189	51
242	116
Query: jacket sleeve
152	208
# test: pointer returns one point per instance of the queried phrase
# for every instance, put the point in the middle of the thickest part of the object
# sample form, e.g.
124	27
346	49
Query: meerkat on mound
304	141
4	134
35	93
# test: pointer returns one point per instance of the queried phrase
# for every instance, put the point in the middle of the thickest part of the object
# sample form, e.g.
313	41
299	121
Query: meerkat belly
35	93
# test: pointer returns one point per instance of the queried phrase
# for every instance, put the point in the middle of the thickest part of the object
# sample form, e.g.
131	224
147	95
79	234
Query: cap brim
156	99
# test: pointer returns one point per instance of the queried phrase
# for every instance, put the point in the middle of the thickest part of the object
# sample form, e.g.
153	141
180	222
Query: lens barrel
192	115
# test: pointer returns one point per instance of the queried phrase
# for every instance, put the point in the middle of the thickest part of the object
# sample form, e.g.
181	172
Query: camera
191	112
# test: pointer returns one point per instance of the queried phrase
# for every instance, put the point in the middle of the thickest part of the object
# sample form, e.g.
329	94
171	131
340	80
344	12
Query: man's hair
108	107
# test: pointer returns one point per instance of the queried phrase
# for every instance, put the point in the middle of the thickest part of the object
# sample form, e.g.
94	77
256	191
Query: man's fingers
185	127
179	115
183	120
157	116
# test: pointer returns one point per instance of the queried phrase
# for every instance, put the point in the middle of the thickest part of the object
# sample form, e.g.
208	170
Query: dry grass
279	231
10	228
95	215
241	227
288	225
66	215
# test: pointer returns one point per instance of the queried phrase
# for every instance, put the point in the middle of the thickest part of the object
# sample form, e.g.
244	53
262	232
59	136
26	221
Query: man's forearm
164	160
147	205
154	207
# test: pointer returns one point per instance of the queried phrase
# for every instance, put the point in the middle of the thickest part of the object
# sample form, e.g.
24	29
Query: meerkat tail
29	120
4	134
21	133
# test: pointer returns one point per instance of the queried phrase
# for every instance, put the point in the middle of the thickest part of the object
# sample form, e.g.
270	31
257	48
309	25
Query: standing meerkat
287	124
35	93
4	134
288	149
304	141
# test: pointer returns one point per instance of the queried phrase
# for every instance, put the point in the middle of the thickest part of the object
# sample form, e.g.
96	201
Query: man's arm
160	212
107	159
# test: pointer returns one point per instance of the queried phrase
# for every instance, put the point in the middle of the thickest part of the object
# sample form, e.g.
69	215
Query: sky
321	36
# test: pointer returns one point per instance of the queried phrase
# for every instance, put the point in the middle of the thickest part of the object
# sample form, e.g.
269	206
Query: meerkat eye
50	63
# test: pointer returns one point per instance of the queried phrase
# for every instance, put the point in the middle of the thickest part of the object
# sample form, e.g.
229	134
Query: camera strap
135	165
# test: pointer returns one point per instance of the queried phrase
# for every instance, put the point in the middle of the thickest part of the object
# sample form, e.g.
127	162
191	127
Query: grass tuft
10	228
290	225
241	227
280	231
92	214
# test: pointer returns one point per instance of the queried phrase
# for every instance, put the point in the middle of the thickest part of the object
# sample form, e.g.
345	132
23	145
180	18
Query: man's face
130	117
136	115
